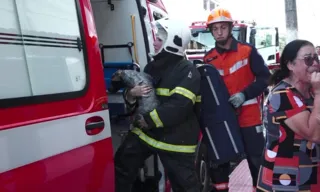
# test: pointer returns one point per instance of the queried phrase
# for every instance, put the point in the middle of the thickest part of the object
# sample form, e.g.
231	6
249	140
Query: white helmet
175	35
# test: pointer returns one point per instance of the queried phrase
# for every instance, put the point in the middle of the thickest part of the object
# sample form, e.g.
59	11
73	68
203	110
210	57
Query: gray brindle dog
131	78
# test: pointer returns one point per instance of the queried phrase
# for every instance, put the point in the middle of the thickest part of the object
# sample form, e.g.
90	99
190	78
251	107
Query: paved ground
240	179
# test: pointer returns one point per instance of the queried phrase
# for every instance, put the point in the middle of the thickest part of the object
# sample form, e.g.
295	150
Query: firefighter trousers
254	142
132	153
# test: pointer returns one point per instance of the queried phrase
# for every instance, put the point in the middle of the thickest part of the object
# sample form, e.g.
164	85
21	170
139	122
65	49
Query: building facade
208	5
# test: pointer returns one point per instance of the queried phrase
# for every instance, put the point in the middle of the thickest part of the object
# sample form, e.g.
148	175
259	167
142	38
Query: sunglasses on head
308	60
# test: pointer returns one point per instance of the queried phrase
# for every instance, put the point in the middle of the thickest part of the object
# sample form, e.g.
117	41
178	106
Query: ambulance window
41	49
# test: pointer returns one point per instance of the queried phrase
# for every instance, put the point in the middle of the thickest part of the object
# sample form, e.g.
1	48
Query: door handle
94	125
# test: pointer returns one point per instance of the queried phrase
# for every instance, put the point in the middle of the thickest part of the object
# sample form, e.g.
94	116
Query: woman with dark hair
292	120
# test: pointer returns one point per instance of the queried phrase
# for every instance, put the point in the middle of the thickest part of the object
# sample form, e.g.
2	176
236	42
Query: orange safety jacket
243	70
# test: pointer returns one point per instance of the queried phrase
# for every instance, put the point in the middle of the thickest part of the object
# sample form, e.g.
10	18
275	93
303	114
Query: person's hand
237	99
315	82
140	91
140	122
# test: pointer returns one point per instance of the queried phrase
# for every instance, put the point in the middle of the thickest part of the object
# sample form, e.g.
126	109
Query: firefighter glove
140	122
237	99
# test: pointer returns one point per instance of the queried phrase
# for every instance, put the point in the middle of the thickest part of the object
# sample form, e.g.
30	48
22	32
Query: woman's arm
307	124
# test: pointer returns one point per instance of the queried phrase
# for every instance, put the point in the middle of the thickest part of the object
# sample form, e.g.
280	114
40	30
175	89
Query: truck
264	38
59	126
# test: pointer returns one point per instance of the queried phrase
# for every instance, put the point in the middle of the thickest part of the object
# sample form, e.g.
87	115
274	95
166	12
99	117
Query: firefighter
171	130
245	75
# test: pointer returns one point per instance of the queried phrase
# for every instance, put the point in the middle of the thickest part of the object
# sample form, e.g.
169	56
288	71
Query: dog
130	78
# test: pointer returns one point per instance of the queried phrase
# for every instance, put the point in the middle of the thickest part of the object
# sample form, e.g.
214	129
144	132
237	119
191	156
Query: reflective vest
234	67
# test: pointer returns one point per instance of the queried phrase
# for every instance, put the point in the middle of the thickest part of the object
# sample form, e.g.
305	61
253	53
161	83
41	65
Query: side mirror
195	34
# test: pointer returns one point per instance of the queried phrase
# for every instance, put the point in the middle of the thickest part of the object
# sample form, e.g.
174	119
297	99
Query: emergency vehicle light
198	23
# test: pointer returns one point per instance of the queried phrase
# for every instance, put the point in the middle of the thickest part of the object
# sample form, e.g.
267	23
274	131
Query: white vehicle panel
42	140
44	57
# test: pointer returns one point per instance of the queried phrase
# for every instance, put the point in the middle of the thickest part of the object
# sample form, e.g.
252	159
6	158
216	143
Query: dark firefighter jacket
174	124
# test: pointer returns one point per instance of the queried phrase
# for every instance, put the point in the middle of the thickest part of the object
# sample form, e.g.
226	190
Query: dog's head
117	82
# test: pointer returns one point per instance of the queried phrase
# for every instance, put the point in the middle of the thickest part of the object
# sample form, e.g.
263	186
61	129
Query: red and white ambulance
56	57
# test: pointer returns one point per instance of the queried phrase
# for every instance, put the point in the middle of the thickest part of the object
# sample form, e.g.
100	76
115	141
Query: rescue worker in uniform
246	76
171	130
